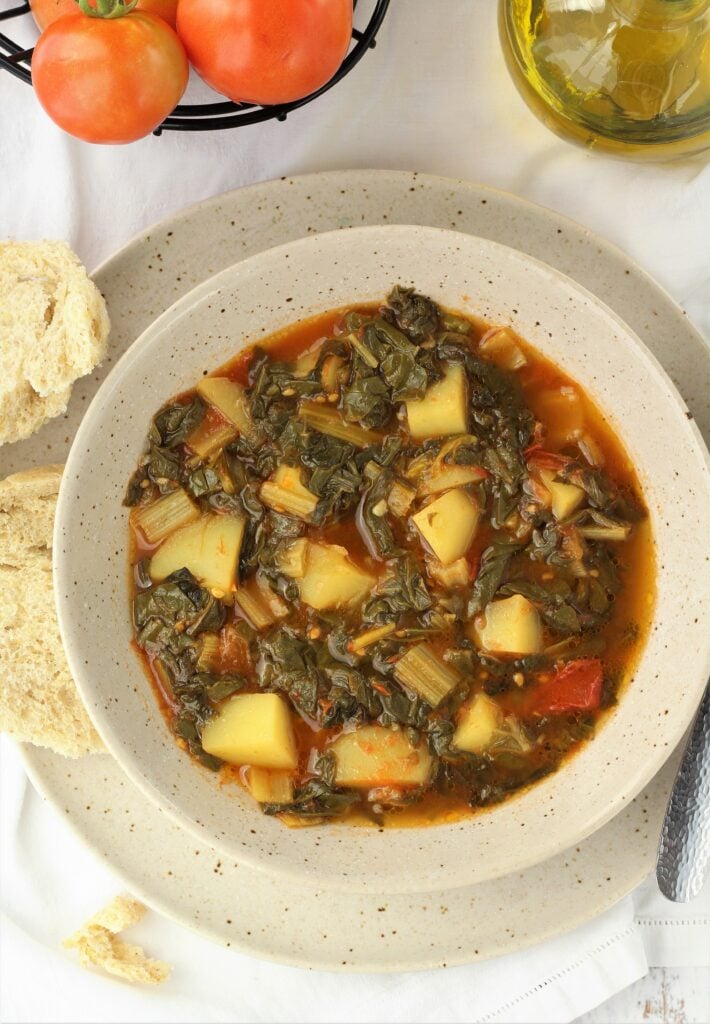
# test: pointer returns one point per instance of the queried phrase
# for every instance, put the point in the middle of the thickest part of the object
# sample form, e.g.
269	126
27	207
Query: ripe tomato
265	51
111	80
45	12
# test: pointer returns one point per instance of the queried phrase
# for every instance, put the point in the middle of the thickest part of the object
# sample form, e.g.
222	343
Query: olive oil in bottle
630	77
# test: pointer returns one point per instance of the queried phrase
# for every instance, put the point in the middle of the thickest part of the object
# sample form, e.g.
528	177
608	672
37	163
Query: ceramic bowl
239	307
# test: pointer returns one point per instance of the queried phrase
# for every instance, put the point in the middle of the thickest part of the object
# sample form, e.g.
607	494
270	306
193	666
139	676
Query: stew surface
392	566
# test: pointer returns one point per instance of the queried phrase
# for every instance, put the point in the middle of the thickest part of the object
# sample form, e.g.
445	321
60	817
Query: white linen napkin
51	882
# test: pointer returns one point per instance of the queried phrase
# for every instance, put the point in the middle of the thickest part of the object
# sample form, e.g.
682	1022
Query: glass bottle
630	77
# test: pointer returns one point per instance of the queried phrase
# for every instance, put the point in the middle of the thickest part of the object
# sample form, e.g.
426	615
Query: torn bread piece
99	945
53	329
39	702
28	501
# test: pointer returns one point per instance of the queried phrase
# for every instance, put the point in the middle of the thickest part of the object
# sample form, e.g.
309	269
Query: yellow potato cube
510	626
376	756
449	524
209	548
254	729
477	725
331	580
443	409
565	498
228	397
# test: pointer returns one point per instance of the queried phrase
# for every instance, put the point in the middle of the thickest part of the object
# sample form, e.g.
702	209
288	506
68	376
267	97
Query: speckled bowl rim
635	781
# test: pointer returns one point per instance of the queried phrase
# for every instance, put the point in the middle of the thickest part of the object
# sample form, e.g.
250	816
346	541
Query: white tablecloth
433	96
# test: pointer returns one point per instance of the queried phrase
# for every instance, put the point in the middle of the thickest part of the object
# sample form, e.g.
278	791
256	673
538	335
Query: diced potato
227	396
565	498
477	725
331	580
502	346
286	492
254	729
164	516
449	524
207	439
562	412
443	478
510	626
376	756
453	576
209	548
443	409
270	787
292	560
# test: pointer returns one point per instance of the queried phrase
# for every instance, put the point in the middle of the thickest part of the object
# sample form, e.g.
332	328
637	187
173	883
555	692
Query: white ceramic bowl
238	307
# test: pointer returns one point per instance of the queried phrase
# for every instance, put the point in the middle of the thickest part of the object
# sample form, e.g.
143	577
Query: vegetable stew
391	565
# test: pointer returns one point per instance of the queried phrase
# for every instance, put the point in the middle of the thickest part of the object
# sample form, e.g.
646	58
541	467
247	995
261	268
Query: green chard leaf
415	315
491	574
316	799
175	422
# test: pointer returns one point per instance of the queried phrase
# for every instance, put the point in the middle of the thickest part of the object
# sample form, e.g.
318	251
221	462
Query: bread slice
39	702
27	503
98	944
53	329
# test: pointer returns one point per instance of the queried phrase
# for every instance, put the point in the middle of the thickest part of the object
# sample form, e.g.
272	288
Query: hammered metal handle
684	849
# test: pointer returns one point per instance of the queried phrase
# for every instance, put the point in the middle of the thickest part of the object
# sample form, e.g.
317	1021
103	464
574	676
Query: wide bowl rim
182	306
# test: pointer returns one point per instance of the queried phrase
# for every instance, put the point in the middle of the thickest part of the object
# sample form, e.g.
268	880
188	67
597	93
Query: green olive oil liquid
629	77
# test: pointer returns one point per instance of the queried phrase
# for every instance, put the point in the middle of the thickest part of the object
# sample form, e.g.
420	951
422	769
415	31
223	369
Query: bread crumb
98	944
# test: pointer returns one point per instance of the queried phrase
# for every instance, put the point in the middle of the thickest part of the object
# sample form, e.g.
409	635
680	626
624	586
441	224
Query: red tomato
577	686
265	51
109	81
45	12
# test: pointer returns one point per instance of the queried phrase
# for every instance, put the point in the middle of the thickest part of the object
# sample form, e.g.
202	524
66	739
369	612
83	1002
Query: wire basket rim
218	115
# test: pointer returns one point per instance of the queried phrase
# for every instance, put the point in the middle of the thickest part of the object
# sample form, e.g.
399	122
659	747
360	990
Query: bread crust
39	702
54	329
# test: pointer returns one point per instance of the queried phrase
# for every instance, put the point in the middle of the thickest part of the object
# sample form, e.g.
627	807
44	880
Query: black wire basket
205	117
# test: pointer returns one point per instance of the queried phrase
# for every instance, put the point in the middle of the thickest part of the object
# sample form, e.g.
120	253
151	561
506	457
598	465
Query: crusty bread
53	330
27	504
98	944
39	702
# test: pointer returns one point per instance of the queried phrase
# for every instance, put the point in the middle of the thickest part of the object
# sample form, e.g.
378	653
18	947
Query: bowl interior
239	307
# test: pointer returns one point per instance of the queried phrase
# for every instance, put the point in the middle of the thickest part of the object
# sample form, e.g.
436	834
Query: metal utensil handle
684	849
